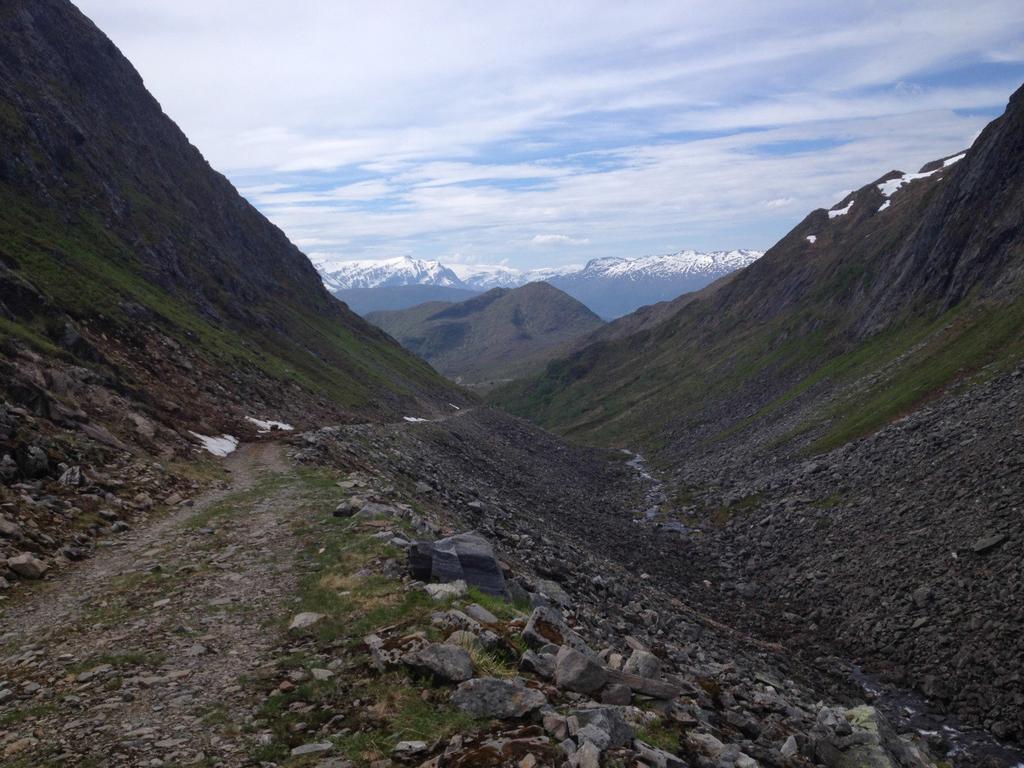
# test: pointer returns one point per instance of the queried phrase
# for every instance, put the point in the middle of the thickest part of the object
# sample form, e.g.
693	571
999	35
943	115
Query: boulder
35	463
587	756
872	744
546	627
540	664
658	758
447	663
72	477
617	694
464	556
493	698
609	722
642	663
371	510
8	469
27	566
575	671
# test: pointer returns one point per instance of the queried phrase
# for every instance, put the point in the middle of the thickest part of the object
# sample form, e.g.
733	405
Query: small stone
312	749
481	614
449	591
321	675
407	749
983	545
789	748
304	621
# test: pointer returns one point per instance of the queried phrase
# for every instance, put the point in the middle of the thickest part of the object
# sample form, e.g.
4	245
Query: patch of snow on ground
267	426
948	162
884	205
414	419
812	239
841	211
888	188
218	446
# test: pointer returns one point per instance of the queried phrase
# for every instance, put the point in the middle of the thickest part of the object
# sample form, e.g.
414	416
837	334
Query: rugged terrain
838	421
384	572
494	337
281	620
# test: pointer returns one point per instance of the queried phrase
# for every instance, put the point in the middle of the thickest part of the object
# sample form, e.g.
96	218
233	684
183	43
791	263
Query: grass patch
31	712
501	608
722	516
119	661
659	734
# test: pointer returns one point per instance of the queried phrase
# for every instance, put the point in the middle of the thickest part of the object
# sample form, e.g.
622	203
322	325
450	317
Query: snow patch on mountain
682	264
835	213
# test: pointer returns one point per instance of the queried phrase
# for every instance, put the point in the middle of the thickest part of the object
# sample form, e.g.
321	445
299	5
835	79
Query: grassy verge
363	711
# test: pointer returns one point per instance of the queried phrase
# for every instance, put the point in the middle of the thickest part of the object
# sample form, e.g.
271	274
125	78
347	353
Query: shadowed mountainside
497	336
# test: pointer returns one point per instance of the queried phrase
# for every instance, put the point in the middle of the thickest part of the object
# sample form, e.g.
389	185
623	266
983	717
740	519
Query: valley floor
173	645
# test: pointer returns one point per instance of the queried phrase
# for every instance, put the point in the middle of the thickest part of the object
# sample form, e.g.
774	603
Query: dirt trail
134	657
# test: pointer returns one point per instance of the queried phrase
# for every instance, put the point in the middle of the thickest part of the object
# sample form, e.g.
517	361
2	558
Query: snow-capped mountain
404	270
613	287
685	263
610	286
483	277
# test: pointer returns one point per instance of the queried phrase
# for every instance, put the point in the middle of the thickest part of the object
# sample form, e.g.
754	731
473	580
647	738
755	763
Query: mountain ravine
240	526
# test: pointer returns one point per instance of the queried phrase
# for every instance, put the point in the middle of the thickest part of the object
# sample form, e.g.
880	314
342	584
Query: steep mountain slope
911	290
497	336
614	287
840	422
122	249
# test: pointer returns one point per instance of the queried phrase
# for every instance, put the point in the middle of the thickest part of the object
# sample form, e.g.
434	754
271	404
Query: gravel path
134	657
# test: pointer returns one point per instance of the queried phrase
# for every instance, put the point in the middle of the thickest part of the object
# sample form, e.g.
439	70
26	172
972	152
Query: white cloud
372	130
545	240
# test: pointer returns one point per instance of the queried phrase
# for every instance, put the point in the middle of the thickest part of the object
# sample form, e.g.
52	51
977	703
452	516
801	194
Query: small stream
907	711
966	747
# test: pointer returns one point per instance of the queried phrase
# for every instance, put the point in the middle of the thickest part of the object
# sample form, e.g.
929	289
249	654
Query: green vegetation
342	579
659	734
118	661
493	337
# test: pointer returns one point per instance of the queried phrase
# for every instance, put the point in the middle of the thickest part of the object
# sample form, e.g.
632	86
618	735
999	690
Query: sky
537	134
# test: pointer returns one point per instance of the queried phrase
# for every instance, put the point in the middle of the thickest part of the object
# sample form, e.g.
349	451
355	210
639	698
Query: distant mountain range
610	287
494	337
